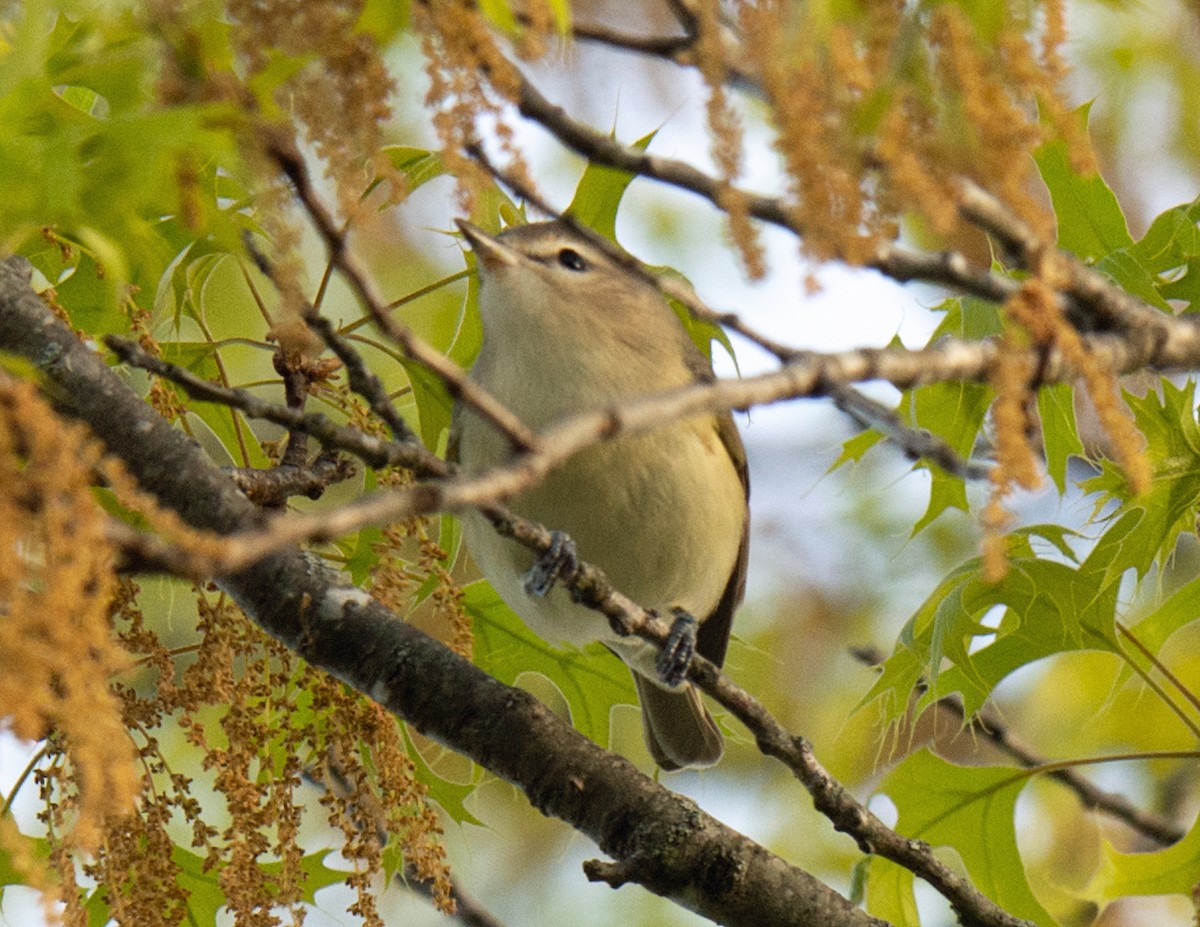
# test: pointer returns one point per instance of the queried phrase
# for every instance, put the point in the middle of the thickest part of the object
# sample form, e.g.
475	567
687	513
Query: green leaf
433	402
501	15
315	875
205	895
37	848
360	553
275	69
946	491
1090	221
199	357
1172	240
592	681
1185	288
418	165
598	194
1133	277
96	906
703	333
1179	610
854	449
890	893
955	412
363	556
1171	506
967	317
450	795
1169	254
384	19
1060	437
1048	607
84	99
449	539
562	15
90	297
468	336
970	809
1172	871
184	278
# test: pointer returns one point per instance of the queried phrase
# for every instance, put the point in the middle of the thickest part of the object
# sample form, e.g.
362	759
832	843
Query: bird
664	513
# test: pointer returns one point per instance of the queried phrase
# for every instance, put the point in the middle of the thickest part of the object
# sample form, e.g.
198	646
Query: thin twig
363	380
273	487
813	375
453	376
1088	291
915	443
1176	683
296	383
374	451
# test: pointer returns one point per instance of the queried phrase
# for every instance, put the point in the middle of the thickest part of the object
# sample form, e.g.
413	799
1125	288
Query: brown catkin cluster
880	110
81	667
821	153
469	80
1016	462
1037	310
992	125
56	583
1034	319
410	565
341	97
264	723
725	128
372	790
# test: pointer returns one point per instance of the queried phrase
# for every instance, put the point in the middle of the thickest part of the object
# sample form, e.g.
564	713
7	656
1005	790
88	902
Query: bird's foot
676	655
559	562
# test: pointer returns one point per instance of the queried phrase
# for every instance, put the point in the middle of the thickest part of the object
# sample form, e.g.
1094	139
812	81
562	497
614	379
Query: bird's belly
661	514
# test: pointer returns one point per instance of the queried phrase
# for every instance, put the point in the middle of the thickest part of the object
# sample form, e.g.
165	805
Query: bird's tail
678	728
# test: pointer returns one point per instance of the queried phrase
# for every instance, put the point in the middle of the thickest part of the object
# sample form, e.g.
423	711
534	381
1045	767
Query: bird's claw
676	655
560	561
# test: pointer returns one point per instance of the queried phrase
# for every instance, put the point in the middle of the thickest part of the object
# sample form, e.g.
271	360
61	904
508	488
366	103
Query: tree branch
893	260
915	443
273	487
682	853
1107	306
1088	293
372	450
813	375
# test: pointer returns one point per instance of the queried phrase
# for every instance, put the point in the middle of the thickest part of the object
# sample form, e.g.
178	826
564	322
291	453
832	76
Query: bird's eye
572	260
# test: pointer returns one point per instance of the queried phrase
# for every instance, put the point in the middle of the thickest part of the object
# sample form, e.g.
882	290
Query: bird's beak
490	251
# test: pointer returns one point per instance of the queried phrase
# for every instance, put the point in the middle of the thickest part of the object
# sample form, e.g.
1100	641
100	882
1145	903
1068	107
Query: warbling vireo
663	514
